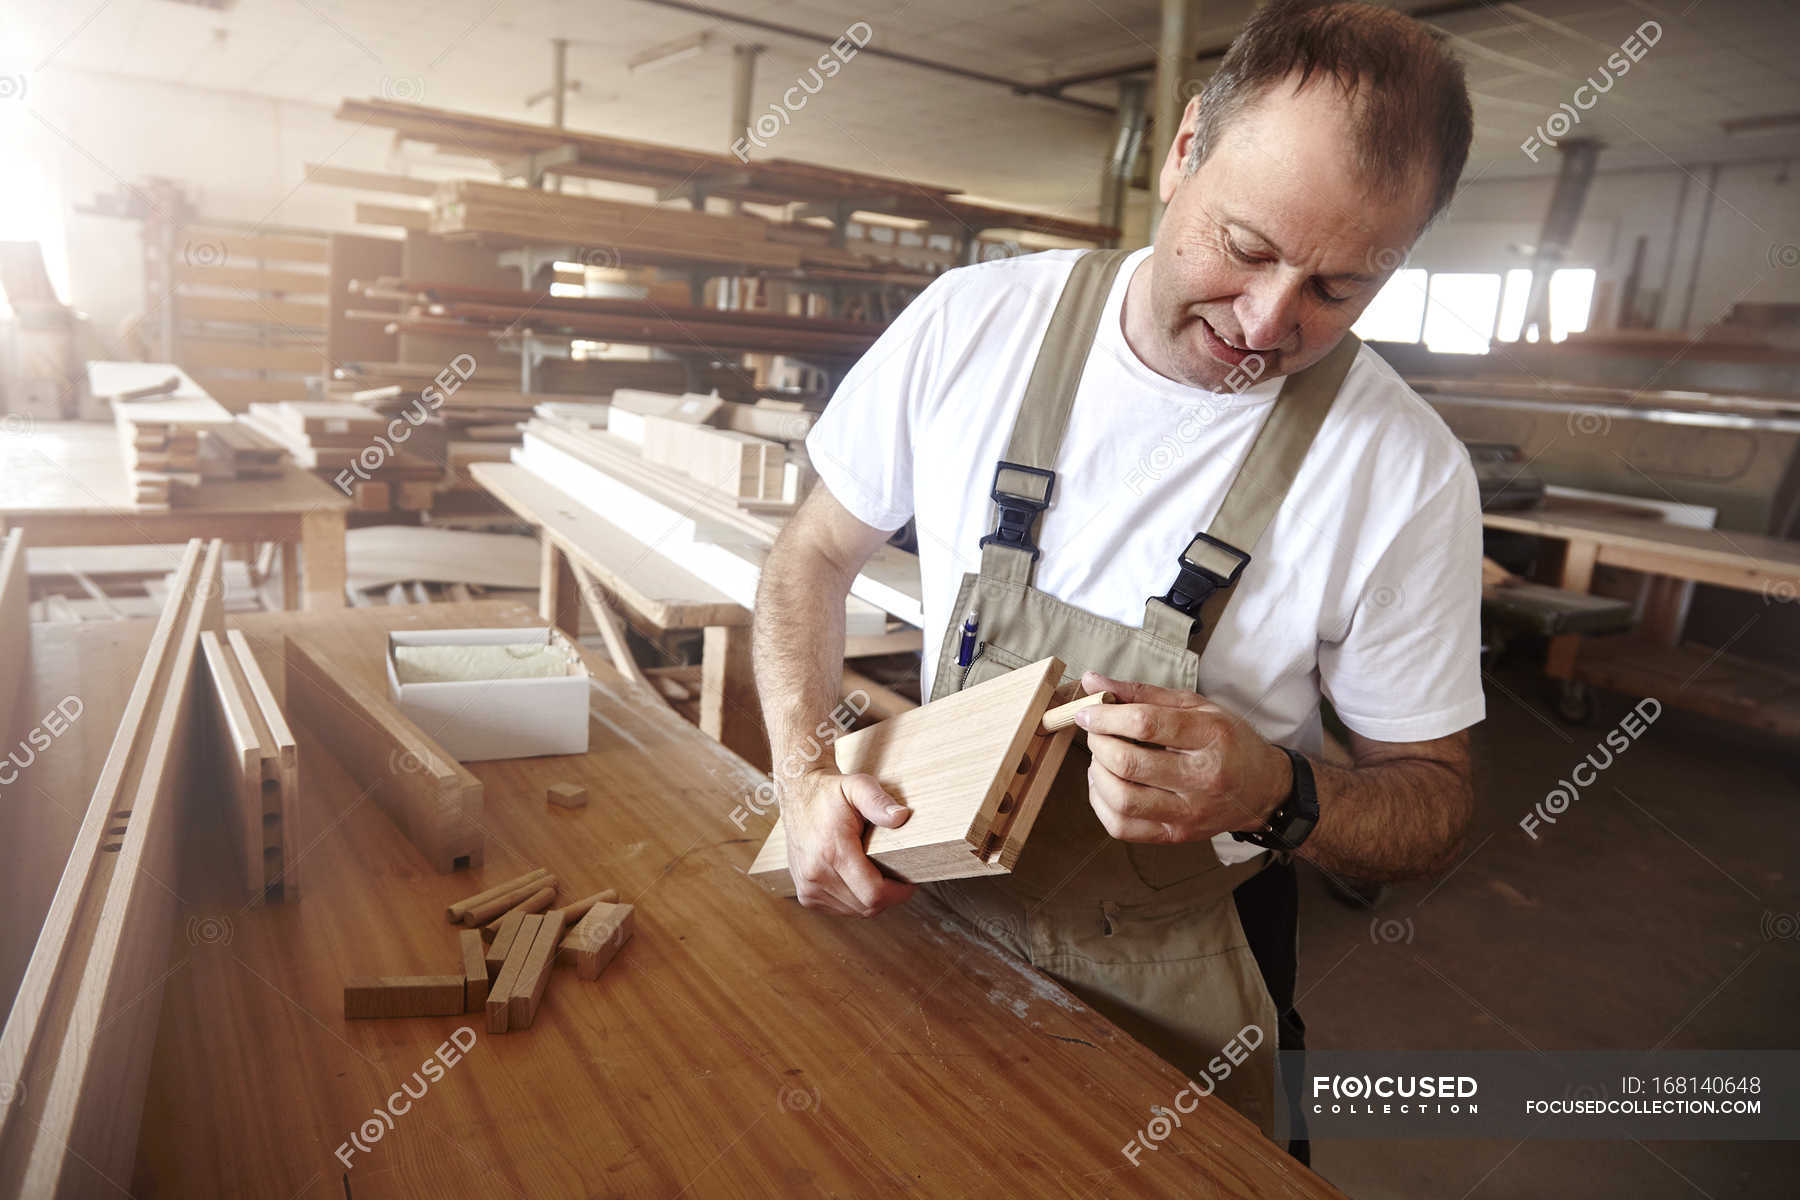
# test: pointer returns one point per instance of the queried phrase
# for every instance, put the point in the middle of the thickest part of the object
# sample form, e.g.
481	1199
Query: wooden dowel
500	905
457	910
574	912
1063	715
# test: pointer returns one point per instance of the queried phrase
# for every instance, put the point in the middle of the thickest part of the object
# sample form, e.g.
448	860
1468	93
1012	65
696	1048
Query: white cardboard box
479	719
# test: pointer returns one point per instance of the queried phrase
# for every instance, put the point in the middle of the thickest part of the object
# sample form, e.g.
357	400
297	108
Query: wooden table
64	483
1654	660
738	1046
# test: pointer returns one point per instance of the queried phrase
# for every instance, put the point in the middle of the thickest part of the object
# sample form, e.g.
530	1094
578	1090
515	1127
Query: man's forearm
798	646
1389	821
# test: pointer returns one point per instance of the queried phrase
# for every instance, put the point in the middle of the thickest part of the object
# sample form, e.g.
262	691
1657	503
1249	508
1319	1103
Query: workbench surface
738	1045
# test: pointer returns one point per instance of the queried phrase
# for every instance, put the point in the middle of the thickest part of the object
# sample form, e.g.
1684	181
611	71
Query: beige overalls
1148	935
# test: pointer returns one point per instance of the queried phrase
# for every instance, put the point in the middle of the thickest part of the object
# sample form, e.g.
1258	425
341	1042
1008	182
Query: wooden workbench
64	483
739	1045
1654	660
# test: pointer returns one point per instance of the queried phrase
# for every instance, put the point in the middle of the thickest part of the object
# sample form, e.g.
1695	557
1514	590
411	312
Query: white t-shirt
1366	586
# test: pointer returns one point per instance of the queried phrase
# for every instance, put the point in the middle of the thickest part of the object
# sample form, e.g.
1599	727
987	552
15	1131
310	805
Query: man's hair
1409	102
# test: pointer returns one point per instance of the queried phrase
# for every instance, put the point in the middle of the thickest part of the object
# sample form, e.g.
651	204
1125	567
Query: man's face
1274	246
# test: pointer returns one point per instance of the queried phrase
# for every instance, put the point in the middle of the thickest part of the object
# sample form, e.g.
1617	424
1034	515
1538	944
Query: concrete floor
1651	910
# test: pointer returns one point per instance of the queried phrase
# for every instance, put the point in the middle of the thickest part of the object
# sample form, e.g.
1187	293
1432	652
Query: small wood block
403	996
475	976
457	910
509	973
566	795
482	913
529	989
501	940
599	936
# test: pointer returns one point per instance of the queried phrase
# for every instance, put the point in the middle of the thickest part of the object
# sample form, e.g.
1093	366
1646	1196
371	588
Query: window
1460	311
1512	304
1394	315
1571	298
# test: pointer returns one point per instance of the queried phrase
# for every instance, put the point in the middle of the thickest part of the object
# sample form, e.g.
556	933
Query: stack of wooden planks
449	309
250	311
239	451
160	424
354	447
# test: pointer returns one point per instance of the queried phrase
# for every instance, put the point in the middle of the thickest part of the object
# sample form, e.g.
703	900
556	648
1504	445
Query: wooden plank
954	763
612	630
598	938
503	939
372	181
238	755
251	279
421	788
83	1022
265	247
197	353
280	770
457	910
281	316
528	991
364	213
15	627
351	257
375	996
730	709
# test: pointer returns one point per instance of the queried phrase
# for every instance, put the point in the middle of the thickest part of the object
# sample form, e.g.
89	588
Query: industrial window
1512	304
1397	311
1571	298
1460	311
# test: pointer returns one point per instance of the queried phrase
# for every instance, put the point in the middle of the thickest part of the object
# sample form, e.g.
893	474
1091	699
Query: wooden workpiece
534	973
427	793
574	912
596	939
974	767
72	1048
261	766
373	996
566	795
475	974
499	1000
500	941
536	902
860	1053
15	626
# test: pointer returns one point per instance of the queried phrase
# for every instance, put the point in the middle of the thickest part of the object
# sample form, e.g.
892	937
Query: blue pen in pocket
965	653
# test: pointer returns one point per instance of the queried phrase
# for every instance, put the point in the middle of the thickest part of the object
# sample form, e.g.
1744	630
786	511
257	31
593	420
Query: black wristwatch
1292	822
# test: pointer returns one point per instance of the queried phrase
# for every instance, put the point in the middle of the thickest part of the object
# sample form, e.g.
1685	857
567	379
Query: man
1115	461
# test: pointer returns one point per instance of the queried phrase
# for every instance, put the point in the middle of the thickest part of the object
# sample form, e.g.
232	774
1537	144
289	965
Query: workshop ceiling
1716	61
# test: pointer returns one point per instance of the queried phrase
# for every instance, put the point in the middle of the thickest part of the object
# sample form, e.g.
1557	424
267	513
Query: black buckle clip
1197	581
1018	513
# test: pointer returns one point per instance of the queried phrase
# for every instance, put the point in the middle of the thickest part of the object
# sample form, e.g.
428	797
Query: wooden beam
599	936
371	181
15	627
433	800
373	996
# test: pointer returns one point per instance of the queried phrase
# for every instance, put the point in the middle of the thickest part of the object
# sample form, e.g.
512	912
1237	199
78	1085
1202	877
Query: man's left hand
1171	766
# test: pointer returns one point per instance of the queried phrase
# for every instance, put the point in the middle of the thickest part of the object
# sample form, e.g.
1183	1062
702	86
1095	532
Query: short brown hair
1410	103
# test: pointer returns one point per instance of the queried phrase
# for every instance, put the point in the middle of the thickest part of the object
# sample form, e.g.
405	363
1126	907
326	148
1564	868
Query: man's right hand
824	814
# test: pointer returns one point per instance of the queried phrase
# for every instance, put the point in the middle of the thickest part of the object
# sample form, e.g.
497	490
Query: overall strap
1213	560
1026	478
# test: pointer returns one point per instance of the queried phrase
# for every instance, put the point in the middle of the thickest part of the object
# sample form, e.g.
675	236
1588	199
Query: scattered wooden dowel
528	990
457	910
403	996
566	795
574	912
501	940
1063	715
475	976
592	943
509	973
482	913
537	902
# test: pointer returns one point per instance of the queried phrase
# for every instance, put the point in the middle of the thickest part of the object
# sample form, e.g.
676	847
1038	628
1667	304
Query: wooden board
423	790
957	764
76	1047
872	1056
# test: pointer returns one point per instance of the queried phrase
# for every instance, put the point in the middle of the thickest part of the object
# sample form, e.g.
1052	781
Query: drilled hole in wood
270	820
1006	803
272	893
271	787
112	847
122	813
460	863
1025	764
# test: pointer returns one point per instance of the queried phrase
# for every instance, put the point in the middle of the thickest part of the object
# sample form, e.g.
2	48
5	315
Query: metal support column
1578	158
1121	159
1174	59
